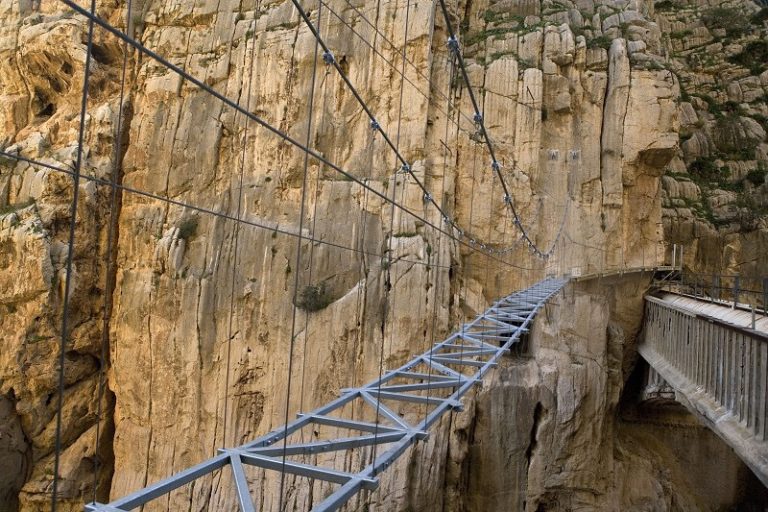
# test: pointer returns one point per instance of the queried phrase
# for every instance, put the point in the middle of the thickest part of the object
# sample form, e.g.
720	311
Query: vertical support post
765	295
736	286
716	287
674	256
682	260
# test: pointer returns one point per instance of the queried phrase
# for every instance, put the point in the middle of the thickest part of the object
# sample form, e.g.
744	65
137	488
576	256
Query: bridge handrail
709	318
751	291
719	371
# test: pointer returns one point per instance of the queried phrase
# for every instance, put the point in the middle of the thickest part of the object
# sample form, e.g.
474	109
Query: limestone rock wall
715	191
584	122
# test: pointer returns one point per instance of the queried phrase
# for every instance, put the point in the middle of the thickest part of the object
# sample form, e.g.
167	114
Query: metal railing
663	258
739	292
710	356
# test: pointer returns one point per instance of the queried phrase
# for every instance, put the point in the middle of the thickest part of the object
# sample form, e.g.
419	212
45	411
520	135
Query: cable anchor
496	166
427	197
375	125
453	44
328	57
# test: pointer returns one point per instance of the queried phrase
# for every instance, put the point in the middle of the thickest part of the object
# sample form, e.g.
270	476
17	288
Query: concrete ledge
753	451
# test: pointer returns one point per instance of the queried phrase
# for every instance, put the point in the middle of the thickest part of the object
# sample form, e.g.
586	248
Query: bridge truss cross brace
476	346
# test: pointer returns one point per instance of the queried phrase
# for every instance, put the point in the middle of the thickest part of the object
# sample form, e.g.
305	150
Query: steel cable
294	310
110	256
275	131
70	258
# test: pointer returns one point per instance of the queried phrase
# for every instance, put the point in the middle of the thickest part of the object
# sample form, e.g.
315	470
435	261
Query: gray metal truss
476	347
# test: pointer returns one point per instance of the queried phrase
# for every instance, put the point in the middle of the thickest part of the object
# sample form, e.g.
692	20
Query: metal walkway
717	364
392	412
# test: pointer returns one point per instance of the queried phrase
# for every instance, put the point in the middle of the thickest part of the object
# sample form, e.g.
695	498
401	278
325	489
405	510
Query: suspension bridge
380	420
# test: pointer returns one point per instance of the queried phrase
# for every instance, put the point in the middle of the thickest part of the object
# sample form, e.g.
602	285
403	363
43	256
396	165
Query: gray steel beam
306	470
171	483
328	445
241	484
363	426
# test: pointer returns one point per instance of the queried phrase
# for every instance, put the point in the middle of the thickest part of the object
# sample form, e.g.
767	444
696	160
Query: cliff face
715	193
198	330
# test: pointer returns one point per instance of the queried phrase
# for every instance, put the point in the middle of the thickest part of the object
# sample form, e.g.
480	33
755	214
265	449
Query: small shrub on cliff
754	57
10	208
760	16
757	176
188	228
600	42
665	5
314	298
704	169
730	19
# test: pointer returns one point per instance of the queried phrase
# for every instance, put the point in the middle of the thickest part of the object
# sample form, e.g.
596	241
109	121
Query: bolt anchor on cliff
453	45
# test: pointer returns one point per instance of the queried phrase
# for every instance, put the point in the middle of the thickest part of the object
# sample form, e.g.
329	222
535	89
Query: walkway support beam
718	370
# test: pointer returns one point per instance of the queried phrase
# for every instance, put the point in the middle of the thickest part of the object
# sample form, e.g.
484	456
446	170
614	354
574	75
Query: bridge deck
718	311
717	367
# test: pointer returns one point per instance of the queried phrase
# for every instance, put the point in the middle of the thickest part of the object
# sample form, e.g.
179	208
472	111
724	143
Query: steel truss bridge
434	381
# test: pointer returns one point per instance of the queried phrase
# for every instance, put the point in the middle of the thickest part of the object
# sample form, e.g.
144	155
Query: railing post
682	260
765	295
736	285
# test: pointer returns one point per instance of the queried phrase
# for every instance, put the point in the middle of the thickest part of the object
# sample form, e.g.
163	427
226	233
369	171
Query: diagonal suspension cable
478	120
405	166
70	257
110	256
225	216
276	131
455	48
